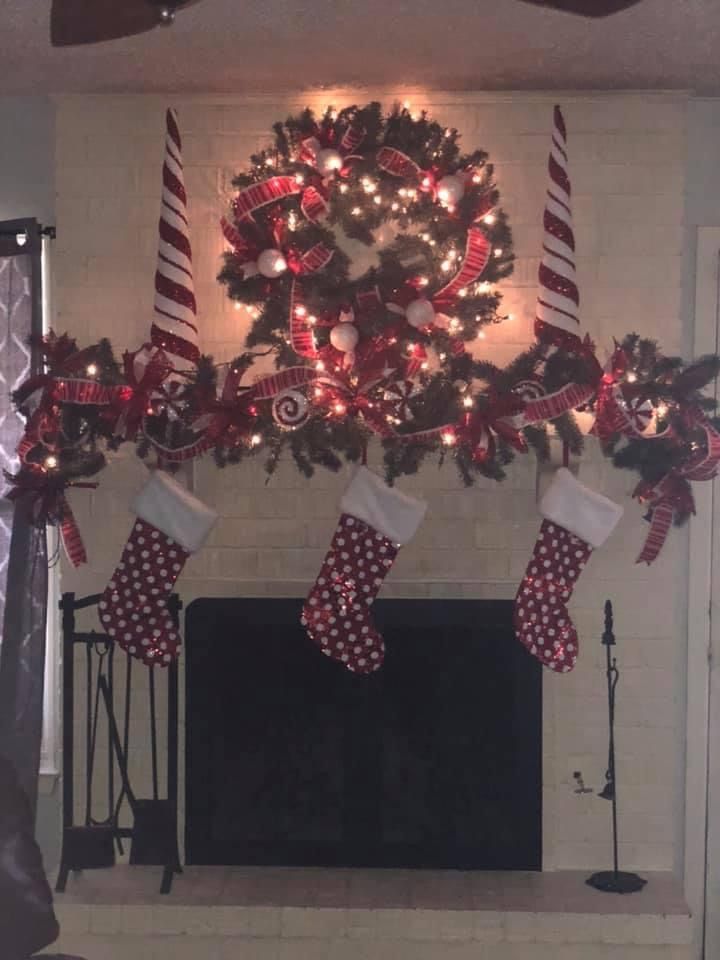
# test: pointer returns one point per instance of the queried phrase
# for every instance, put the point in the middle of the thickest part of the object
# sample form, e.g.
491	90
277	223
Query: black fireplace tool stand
615	880
153	835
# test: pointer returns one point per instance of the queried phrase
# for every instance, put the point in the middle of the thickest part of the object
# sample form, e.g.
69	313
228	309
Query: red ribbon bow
42	494
479	427
146	370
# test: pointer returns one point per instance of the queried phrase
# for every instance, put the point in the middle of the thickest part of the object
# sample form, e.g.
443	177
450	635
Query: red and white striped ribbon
313	205
662	518
260	194
558	299
302	337
174	327
287	379
315	258
477	254
553	405
397	163
70	536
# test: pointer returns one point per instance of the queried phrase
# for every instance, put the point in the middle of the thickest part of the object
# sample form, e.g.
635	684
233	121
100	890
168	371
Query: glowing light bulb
467	402
344	188
446	266
662	409
426	181
51	462
485	287
378	199
238	305
424	365
489	219
462	292
498	252
423	281
454	324
476	178
339	408
312	320
481	335
91	369
319	391
406	104
255	440
449	438
442	357
269	162
333	114
299	178
402	192
631	377
394	205
356	211
319	365
300	311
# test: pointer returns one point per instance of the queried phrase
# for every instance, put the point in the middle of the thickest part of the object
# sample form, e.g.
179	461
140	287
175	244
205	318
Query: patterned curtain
23	549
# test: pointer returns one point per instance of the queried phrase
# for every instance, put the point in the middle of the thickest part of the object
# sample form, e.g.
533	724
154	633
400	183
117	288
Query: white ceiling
233	46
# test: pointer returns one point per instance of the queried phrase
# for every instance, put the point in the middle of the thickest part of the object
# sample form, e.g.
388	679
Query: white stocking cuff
391	512
171	508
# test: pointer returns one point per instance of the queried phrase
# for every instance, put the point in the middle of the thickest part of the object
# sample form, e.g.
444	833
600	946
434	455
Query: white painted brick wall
627	157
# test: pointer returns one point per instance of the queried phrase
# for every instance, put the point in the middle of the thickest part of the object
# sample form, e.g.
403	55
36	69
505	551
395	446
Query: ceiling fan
74	22
586	8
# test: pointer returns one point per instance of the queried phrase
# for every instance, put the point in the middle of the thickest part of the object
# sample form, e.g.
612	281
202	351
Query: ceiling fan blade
586	8
92	21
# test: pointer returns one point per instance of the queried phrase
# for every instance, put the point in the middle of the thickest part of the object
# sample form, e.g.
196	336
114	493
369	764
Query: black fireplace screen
433	762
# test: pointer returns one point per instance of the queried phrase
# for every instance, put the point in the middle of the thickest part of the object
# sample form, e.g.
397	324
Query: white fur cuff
582	511
391	512
167	505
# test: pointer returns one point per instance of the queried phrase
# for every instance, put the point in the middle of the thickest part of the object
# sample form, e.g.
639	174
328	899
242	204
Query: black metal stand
153	836
615	880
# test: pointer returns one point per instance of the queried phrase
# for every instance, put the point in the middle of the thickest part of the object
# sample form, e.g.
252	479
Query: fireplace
433	762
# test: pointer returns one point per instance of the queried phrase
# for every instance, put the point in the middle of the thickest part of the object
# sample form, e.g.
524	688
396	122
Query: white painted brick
627	159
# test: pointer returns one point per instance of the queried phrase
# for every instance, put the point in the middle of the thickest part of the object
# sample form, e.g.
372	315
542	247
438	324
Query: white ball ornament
450	190
271	263
420	313
328	161
344	337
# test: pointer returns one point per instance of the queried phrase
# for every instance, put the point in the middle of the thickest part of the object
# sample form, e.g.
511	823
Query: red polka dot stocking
542	622
171	524
376	521
576	519
133	609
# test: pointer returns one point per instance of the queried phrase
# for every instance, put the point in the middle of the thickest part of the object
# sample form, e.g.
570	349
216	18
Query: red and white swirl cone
558	301
174	327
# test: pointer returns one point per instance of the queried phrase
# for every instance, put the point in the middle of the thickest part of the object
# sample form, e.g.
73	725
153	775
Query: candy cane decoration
174	328
558	300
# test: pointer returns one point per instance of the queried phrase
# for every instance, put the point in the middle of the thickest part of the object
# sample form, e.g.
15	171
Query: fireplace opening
433	762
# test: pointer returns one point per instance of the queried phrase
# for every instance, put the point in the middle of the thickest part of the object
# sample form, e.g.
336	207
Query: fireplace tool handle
615	880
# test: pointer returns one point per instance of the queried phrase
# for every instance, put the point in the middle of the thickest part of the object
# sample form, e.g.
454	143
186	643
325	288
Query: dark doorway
433	762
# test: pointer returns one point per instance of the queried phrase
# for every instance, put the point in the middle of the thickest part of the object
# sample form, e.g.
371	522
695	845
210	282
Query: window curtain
23	548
